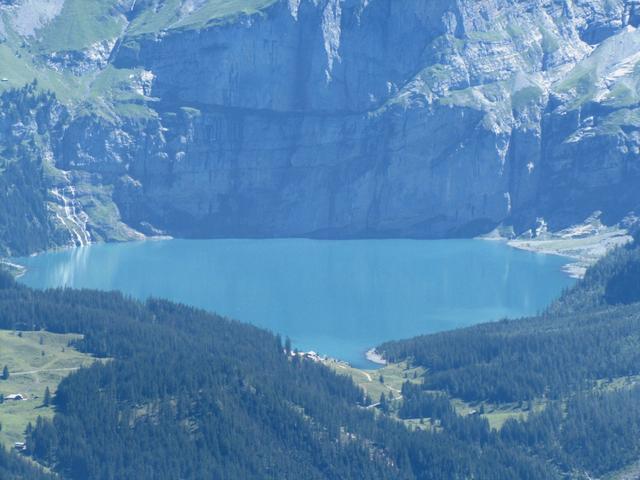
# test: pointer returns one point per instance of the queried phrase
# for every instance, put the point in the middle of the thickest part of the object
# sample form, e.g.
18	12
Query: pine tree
384	406
5	373
296	357
47	397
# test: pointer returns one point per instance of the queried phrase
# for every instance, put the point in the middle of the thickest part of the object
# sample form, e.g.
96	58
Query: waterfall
70	214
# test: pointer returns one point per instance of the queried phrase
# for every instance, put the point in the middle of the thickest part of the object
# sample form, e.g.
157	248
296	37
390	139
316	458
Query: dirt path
359	371
44	370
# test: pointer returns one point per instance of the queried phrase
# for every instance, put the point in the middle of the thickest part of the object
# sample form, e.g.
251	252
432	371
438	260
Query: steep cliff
340	118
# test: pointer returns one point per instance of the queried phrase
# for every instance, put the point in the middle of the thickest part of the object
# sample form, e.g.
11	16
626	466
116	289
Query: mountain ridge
338	118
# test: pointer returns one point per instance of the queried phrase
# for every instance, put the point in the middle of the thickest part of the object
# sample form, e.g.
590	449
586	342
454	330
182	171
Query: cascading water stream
70	214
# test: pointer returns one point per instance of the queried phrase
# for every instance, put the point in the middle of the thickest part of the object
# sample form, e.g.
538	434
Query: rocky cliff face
344	118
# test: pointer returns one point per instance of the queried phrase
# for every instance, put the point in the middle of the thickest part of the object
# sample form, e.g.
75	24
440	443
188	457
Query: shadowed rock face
423	118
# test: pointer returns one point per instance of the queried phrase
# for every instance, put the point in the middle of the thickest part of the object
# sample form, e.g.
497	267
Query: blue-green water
339	298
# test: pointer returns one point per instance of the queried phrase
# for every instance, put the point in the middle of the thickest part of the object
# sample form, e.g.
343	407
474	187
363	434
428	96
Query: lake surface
339	298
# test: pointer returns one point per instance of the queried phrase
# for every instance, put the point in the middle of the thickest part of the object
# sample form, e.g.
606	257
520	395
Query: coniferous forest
25	225
591	333
326	169
182	393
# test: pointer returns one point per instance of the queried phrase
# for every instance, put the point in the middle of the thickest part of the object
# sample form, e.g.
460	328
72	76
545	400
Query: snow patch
542	228
294	6
331	33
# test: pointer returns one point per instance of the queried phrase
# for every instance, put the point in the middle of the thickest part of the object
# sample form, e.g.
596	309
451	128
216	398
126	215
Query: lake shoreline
22	270
374	357
14	269
583	252
583	244
357	294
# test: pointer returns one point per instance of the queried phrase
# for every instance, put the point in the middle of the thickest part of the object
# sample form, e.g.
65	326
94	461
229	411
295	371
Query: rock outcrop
347	118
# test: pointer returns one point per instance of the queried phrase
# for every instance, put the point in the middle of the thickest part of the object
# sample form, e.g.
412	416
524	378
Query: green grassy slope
80	27
174	14
80	24
36	360
18	67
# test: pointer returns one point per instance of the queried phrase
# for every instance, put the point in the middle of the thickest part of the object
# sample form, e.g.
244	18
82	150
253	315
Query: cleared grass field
498	414
35	360
393	374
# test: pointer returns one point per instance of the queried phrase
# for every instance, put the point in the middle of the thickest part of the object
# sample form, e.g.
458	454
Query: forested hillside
324	119
26	122
12	467
187	394
591	333
41	206
579	359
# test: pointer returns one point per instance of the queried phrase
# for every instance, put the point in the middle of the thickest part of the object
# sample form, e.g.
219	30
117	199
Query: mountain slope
570	374
187	394
338	118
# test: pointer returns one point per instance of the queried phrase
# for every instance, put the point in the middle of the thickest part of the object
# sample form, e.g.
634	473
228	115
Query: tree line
589	334
182	393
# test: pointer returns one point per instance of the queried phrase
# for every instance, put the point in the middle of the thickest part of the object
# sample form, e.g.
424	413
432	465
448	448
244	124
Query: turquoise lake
339	298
